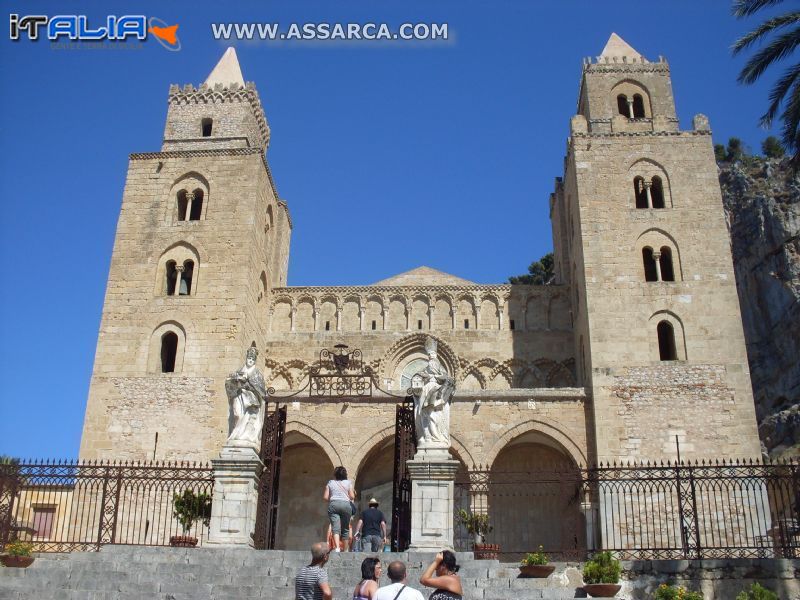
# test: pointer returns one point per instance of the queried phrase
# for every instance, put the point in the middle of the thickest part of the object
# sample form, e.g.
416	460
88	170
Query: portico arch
550	433
302	515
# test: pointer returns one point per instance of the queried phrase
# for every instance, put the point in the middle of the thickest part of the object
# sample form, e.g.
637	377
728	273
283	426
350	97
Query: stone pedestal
235	497
432	472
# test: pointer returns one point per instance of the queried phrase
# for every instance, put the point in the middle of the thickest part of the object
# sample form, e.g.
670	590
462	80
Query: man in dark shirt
372	527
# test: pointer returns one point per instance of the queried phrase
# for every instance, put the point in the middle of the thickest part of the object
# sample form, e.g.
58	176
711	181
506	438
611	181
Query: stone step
203	573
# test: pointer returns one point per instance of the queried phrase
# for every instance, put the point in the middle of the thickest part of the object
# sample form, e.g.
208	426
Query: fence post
9	482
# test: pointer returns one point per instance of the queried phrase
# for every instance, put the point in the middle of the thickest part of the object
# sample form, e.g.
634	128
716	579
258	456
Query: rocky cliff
762	202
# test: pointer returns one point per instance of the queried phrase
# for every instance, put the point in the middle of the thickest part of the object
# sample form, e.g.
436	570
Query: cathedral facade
635	348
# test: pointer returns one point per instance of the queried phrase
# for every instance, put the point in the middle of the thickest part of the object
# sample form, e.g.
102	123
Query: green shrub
603	568
756	592
670	592
772	147
18	548
536	558
190	507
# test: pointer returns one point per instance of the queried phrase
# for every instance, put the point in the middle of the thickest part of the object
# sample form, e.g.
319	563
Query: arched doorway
533	496
375	476
302	514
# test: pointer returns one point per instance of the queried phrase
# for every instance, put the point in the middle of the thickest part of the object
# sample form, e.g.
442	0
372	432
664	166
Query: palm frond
745	8
778	93
778	48
765	28
790	134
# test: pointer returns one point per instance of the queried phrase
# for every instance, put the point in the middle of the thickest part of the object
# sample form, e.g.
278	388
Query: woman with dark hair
370	574
446	581
339	494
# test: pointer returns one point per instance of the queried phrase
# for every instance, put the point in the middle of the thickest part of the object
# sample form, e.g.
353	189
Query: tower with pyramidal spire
201	239
640	237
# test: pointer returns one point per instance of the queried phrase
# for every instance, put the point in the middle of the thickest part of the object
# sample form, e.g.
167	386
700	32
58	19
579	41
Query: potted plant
535	564
189	508
601	575
478	526
17	554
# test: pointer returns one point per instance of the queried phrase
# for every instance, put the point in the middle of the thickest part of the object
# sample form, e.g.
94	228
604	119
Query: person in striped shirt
311	582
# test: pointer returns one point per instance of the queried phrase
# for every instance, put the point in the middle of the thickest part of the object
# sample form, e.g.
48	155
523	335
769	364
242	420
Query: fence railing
68	506
665	511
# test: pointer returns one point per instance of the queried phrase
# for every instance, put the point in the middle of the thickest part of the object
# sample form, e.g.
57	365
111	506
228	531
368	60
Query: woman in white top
338	494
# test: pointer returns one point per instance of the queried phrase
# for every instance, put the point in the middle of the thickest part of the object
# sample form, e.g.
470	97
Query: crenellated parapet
219	94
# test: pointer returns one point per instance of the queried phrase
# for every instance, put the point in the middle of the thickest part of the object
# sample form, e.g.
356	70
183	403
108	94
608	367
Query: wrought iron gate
405	444
271	454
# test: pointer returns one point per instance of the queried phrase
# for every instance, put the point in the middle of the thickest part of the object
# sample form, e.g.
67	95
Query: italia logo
78	28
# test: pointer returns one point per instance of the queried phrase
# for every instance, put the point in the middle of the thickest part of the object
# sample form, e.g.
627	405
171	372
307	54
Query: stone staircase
136	572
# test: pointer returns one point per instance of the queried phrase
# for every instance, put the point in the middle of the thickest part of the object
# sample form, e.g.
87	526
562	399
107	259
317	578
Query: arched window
183	203
169	351
666	341
665	262
638	106
622	105
185	287
197	205
657	192
171	277
206	126
650	273
641	193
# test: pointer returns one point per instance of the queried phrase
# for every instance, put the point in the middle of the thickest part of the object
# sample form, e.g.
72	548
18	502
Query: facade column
316	319
431	314
362	312
384	310
338	318
647	185
408	318
269	318
189	202
293	315
657	260
500	316
453	315
630	108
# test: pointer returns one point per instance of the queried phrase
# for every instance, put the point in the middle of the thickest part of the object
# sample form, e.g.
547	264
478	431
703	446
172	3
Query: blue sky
390	155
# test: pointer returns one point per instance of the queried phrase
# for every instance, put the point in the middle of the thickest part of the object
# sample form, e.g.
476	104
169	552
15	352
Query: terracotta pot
602	590
182	541
486	551
16	561
536	570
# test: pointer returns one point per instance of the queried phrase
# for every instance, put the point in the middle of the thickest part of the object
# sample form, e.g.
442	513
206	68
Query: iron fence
69	506
665	511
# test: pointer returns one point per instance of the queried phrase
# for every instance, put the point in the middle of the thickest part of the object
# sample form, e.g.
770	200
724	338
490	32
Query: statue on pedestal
432	402
247	394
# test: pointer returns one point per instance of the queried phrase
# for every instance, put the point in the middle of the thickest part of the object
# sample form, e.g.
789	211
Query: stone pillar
293	315
362	312
432	471
339	319
657	260
647	186
235	497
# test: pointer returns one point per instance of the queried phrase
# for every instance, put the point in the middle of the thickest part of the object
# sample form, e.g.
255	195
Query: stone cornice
639	133
503	289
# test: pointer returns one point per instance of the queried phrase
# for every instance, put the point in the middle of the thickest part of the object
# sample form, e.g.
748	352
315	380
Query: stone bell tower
201	240
640	235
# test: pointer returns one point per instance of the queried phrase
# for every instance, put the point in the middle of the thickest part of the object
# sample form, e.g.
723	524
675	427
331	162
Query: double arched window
631	107
190	197
177	271
190	205
178	280
658	264
649	192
